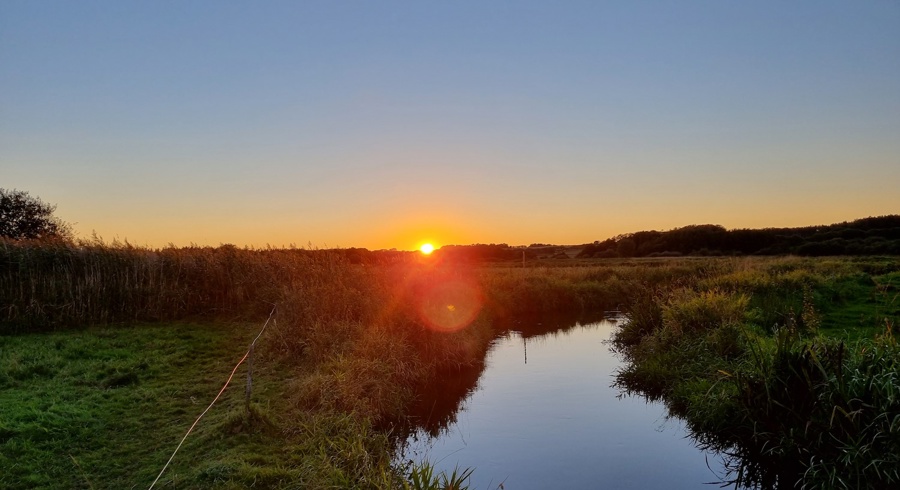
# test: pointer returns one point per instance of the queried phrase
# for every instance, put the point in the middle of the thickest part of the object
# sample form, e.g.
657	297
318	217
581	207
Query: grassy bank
789	365
104	407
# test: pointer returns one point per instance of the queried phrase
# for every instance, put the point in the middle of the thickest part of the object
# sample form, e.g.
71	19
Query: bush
689	312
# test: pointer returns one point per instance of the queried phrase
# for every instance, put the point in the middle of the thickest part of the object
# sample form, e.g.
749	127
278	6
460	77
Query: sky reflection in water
556	422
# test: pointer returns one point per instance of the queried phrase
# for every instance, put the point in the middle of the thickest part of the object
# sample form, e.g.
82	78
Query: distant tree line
24	217
868	236
480	252
448	253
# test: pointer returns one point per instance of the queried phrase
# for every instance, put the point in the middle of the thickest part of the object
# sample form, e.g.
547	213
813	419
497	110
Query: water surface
543	414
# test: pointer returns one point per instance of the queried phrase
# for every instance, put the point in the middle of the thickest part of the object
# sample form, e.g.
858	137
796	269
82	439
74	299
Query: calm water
542	414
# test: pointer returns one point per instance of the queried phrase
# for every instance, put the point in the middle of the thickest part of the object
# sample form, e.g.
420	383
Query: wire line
214	400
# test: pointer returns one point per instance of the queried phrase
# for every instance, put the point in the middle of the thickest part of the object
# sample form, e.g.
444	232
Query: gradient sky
384	124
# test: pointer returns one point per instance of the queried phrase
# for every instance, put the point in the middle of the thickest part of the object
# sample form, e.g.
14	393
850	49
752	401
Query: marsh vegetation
788	366
109	352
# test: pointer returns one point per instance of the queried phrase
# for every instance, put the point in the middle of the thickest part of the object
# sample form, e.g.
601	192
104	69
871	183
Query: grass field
104	407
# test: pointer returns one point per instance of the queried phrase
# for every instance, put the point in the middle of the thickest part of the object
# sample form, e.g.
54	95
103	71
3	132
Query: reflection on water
542	413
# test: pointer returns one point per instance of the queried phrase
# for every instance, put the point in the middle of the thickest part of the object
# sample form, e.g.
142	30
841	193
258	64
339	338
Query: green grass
858	306
423	477
105	407
788	365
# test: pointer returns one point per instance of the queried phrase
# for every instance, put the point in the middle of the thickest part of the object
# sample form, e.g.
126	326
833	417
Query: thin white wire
214	399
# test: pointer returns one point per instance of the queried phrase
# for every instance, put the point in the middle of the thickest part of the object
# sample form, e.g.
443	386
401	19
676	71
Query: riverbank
789	365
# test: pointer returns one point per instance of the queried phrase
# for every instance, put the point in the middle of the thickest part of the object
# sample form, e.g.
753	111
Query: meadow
109	352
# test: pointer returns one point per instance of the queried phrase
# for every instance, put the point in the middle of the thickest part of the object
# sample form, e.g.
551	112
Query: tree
626	247
23	217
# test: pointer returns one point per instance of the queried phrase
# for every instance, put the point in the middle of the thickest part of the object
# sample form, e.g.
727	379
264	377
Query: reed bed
52	285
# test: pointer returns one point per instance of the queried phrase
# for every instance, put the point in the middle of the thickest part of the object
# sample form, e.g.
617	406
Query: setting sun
426	248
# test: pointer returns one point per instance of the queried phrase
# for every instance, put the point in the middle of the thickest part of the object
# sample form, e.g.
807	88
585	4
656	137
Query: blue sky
383	124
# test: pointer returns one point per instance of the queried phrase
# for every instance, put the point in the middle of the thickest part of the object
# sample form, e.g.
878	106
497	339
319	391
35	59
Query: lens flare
450	304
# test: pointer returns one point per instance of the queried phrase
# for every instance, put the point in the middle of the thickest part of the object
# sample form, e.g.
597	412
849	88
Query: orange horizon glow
407	232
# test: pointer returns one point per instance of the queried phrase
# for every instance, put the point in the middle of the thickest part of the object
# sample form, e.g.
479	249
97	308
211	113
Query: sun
426	248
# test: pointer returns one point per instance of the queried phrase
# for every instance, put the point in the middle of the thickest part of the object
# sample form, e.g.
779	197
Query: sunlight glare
426	248
449	304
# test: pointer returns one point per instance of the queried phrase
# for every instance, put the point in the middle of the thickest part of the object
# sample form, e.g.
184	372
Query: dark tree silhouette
23	217
879	235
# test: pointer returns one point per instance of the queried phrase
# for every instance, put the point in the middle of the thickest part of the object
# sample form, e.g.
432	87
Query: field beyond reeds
108	352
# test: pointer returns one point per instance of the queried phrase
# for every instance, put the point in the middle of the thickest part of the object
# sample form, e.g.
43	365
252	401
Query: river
542	413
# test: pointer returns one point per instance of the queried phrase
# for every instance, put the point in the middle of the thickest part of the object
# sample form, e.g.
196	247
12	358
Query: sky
387	124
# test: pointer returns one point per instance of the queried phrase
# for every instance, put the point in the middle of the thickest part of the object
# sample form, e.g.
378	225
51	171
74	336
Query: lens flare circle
450	305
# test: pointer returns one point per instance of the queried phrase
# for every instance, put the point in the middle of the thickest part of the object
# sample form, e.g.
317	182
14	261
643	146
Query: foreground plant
422	477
